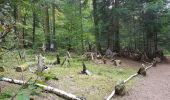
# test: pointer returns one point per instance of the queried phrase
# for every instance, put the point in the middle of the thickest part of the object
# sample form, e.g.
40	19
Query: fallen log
47	88
132	76
149	66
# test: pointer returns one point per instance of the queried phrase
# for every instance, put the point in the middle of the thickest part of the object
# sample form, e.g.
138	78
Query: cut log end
22	67
19	69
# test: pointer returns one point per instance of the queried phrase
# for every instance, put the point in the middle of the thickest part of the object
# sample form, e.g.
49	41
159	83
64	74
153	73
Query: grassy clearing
94	87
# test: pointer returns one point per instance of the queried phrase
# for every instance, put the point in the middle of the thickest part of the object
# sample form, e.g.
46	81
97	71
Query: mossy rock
120	89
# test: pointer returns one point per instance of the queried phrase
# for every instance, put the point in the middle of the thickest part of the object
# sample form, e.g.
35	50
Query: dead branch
132	76
47	88
68	54
111	95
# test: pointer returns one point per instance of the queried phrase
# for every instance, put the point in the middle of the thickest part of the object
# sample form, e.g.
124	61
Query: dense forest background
136	26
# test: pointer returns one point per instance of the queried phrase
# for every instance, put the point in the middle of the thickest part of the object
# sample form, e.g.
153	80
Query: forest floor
95	87
156	86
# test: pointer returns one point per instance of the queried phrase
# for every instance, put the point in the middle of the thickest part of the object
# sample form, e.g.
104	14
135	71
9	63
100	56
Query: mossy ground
94	87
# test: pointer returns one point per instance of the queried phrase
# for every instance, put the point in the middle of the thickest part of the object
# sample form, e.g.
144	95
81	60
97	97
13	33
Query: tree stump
85	71
120	89
104	61
2	69
41	64
157	59
117	63
58	60
142	71
154	63
109	53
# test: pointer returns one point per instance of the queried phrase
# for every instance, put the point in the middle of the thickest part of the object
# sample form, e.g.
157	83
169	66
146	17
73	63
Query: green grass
94	87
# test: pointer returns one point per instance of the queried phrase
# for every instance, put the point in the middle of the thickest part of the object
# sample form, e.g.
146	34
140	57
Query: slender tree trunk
47	28
33	27
81	24
96	22
24	30
15	17
53	44
19	30
111	25
117	39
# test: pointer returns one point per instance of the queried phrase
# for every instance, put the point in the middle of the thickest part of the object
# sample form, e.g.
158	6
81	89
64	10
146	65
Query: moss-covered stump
2	69
120	89
142	71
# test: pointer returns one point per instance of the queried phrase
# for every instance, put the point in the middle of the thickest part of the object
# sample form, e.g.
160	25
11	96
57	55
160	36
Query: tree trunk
17	30
24	30
33	27
81	24
117	39
47	28
53	44
96	22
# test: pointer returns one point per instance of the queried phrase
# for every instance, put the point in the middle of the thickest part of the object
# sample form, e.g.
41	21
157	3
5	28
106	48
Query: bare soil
155	86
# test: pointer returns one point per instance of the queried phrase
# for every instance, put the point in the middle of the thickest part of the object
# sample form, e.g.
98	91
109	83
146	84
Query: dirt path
155	86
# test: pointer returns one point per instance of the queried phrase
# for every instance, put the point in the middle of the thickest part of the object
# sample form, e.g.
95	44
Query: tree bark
81	24
33	27
96	23
117	39
53	44
46	27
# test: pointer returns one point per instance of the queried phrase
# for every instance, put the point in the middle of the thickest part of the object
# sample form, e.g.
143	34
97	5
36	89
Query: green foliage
75	27
5	95
23	95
